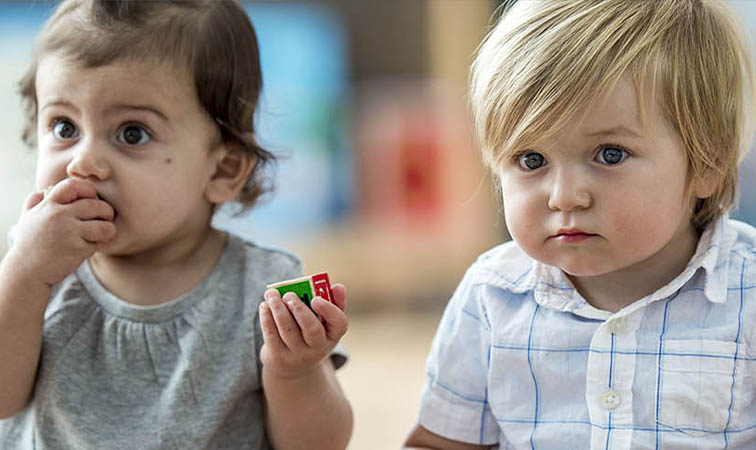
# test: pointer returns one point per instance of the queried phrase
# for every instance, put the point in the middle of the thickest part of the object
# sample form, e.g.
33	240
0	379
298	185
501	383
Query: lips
572	235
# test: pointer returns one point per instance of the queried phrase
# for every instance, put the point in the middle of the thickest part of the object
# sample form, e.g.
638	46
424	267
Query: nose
88	162
569	190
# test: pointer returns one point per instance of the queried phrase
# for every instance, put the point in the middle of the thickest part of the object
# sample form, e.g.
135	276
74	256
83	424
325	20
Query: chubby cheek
47	173
146	205
643	227
151	206
525	222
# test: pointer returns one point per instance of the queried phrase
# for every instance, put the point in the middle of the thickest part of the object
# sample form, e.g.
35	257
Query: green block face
303	289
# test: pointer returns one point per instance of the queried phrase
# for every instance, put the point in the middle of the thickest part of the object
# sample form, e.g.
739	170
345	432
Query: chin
572	264
109	249
582	268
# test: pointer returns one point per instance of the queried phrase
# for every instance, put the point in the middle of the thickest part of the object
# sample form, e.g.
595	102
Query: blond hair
547	60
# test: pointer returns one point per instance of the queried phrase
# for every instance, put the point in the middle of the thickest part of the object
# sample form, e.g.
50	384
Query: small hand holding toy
307	288
296	340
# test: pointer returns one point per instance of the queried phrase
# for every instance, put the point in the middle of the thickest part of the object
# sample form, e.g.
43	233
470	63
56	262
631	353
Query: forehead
62	79
624	107
617	106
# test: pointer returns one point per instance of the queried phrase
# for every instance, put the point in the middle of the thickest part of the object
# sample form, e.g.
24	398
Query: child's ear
706	185
232	168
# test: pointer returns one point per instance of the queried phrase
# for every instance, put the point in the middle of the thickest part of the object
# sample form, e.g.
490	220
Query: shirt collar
552	289
713	252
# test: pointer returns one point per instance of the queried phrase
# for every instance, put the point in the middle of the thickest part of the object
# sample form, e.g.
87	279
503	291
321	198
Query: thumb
334	319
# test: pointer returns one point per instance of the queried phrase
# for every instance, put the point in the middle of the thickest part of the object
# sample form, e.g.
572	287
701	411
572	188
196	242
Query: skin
619	186
296	366
129	171
422	439
606	200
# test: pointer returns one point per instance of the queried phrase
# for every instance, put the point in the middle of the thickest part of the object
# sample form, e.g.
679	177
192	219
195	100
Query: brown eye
133	135
63	129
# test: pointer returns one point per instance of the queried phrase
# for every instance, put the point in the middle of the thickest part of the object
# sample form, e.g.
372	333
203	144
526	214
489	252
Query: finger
313	332
339	296
269	330
335	321
33	200
72	189
91	209
85	249
288	329
98	231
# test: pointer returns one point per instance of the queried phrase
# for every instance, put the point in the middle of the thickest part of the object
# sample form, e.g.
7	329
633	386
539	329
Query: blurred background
379	181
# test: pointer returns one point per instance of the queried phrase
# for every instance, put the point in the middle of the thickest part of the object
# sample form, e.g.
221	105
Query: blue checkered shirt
521	360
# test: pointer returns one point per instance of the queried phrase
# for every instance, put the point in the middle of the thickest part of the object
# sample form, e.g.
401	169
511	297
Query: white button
610	399
617	326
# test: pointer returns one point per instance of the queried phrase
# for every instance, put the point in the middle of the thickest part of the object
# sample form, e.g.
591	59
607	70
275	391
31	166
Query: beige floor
385	375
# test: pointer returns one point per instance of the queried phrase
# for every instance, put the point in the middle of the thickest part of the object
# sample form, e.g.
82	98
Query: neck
160	275
616	290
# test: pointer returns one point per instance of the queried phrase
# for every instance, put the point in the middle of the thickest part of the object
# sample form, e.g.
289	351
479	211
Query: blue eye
64	129
611	155
133	135
531	160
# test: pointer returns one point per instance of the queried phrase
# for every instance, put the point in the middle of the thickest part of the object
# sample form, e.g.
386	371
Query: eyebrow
116	107
58	103
148	108
616	130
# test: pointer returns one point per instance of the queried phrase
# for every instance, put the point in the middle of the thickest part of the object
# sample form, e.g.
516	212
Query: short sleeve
454	403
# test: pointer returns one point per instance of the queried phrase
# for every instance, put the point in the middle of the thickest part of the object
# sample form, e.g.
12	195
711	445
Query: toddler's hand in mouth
115	213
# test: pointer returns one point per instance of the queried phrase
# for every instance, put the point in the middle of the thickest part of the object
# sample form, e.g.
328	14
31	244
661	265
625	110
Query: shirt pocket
695	385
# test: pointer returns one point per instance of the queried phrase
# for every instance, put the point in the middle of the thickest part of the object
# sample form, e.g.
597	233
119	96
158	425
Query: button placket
610	375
